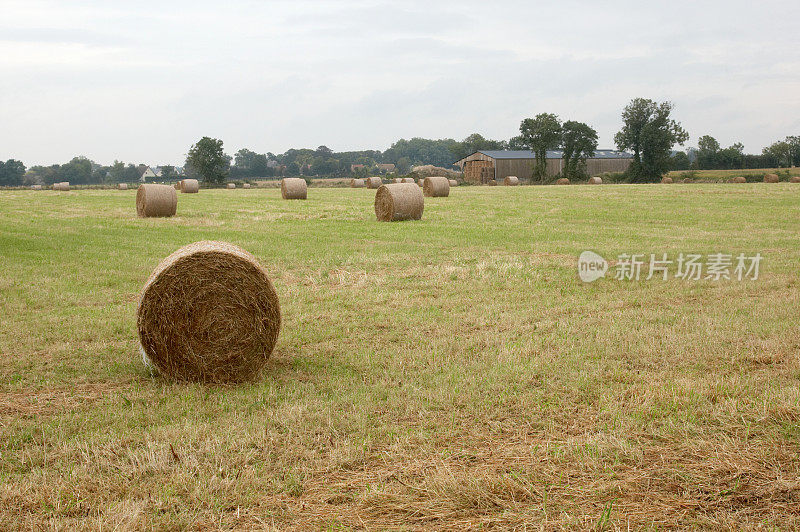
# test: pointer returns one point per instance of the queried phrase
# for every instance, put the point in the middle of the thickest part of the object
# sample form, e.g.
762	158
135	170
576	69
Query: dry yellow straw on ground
156	201
208	313
400	201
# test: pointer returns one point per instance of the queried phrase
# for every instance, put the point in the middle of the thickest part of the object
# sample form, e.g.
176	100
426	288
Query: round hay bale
398	179
399	201
36	187
246	185
208	313
795	179
511	181
294	188
63	186
436	187
177	185
492	182
356	183
453	183
156	201
122	186
687	180
230	186
771	178
190	186
408	180
595	180
562	181
739	179
374	182
666	180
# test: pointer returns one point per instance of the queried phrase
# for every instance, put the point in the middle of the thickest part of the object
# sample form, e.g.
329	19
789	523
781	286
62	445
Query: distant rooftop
551	154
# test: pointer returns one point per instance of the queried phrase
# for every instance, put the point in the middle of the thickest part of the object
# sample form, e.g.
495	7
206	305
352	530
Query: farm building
487	165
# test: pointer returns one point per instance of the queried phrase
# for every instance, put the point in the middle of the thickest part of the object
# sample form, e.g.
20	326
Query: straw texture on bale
374	182
246	185
408	180
562	181
771	178
666	180
156	201
294	188
595	180
208	313
123	186
436	187
190	186
36	187
399	201
231	185
739	179
795	179
356	183
453	183
511	181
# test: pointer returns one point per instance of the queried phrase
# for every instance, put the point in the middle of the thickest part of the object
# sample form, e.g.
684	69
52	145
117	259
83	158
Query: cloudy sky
141	81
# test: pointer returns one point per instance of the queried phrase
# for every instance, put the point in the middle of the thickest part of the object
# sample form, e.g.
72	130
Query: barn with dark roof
493	165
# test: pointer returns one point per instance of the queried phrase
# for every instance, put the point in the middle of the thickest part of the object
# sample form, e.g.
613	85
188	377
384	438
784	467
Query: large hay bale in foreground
399	201
156	201
230	186
511	181
190	186
436	187
739	179
595	180
374	182
795	179
294	188
666	180
562	181
453	183
208	313
771	178
356	183
36	187
408	180
122	186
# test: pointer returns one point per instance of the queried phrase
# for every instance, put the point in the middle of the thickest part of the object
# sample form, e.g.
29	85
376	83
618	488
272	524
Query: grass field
452	373
724	176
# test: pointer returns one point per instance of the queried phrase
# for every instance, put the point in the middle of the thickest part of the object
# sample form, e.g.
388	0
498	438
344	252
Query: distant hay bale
492	182
453	183
230	185
595	180
190	186
246	185
666	180
374	182
687	180
398	179
562	181
177	185
63	186
771	178
408	180
156	201
356	183
36	187
122	186
208	313
428	170
399	201
294	188
795	179
511	181
436	187
739	179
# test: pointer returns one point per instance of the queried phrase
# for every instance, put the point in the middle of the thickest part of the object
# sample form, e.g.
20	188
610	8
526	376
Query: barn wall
523	168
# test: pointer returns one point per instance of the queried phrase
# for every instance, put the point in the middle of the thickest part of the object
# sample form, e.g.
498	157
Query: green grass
724	176
446	373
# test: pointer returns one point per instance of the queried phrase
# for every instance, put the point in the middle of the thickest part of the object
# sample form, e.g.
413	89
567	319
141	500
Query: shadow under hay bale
595	181
398	202
294	188
436	187
154	201
666	180
190	186
511	181
739	179
771	178
208	313
562	181
374	182
356	183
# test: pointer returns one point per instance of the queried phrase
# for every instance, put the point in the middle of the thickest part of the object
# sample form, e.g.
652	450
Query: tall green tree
780	152
11	173
651	134
207	160
541	133
473	143
579	142
707	149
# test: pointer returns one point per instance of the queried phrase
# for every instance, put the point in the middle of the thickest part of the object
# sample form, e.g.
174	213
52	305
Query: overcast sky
141	81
